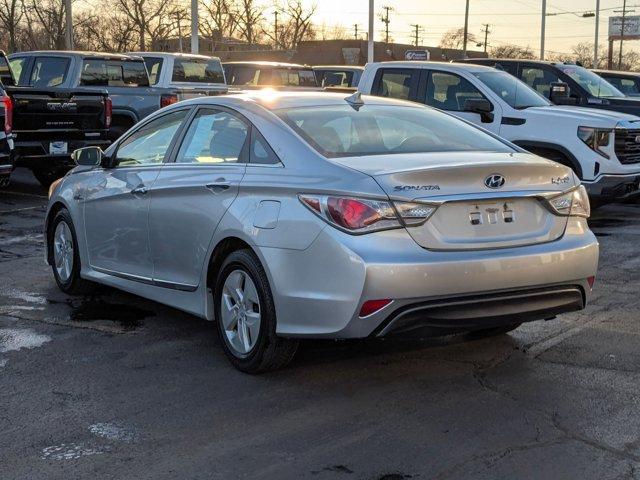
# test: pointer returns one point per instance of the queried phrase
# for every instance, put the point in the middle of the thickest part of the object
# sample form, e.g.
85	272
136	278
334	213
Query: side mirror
88	156
559	94
481	106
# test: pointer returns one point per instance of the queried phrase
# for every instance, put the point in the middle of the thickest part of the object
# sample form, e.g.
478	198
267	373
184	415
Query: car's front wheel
246	316
62	240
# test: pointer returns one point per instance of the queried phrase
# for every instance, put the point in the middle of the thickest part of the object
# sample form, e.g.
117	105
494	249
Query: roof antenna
355	101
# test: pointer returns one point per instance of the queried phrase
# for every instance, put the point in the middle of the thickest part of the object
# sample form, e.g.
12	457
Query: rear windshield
154	65
269	76
49	71
342	131
113	73
197	71
334	78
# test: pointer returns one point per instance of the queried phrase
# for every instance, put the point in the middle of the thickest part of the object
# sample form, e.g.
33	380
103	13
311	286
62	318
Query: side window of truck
154	65
395	82
448	91
539	79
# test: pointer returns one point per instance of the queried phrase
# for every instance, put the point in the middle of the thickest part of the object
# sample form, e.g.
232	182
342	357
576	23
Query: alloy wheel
63	251
240	312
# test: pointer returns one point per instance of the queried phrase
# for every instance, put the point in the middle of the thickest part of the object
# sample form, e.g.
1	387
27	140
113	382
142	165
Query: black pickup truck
49	123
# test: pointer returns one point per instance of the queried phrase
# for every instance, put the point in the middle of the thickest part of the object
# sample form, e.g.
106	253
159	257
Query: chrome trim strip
148	281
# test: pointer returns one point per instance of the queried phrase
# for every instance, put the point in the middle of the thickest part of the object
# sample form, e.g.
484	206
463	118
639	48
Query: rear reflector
8	114
591	281
372	306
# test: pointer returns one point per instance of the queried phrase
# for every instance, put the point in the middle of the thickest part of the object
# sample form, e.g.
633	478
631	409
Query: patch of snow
13	339
70	451
113	431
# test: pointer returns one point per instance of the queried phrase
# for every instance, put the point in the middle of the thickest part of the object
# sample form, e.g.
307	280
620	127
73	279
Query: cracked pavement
113	386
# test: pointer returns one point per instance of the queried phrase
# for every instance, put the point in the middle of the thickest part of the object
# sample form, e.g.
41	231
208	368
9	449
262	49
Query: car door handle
141	190
218	186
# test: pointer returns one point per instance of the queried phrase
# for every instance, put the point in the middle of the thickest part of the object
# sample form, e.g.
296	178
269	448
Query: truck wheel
47	177
246	316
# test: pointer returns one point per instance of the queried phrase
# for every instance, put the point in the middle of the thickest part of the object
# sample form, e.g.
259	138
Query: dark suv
586	89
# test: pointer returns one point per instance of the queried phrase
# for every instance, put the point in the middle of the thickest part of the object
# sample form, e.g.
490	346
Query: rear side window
49	71
104	73
625	85
293	77
154	65
197	71
335	78
394	83
214	137
244	76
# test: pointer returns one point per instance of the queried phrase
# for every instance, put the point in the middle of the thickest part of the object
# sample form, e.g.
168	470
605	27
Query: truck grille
626	147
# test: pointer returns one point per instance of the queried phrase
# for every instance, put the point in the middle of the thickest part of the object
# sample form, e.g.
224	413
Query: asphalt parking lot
113	386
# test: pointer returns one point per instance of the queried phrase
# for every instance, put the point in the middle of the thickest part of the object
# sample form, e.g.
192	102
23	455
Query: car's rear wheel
246	317
65	256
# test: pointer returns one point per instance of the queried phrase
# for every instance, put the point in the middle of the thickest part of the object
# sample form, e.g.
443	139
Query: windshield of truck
197	70
49	71
513	91
591	82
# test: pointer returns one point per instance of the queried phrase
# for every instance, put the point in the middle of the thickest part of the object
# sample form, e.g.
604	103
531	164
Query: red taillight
312	202
168	99
352	214
591	281
372	306
8	114
108	111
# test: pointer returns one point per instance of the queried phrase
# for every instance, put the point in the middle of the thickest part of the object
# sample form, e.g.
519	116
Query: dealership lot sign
631	27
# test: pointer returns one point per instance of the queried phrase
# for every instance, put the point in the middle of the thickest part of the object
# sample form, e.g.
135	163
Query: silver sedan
282	216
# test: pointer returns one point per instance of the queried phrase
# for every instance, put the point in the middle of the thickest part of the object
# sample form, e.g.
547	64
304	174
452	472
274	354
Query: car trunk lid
485	200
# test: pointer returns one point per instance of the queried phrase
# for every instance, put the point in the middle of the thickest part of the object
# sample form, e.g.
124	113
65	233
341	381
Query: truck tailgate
58	110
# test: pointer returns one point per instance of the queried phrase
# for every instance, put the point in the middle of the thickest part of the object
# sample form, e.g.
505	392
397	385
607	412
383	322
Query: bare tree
104	32
250	19
151	19
454	38
219	18
511	51
45	24
11	13
295	26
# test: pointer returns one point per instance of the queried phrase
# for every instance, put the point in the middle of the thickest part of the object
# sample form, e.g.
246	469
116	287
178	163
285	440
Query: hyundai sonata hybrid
282	216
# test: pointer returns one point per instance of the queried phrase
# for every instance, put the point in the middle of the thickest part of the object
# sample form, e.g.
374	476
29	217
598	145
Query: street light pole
542	28
69	25
194	26
595	40
370	36
466	30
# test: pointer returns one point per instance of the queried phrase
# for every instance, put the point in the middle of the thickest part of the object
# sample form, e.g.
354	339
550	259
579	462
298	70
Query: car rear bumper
614	187
319	292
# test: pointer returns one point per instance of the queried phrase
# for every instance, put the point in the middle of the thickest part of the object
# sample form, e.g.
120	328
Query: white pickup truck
602	147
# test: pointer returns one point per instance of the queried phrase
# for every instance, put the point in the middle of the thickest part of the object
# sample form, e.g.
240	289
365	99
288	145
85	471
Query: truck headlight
595	138
573	203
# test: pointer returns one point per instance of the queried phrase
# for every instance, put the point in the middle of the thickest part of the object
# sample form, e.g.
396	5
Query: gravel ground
113	386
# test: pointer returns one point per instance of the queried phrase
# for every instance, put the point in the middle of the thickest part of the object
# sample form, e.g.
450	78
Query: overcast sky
511	21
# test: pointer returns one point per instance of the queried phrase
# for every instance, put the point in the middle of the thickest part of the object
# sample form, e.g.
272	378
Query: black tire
74	285
494	331
47	176
270	352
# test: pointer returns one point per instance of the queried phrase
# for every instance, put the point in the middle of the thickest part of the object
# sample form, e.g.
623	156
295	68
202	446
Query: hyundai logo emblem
637	139
494	180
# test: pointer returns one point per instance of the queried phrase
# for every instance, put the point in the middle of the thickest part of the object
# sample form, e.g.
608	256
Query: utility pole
595	40
386	21
486	32
416	32
69	25
624	14
275	29
370	32
355	34
195	47
542	28
466	30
